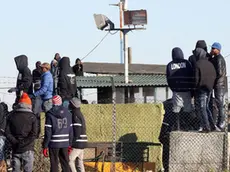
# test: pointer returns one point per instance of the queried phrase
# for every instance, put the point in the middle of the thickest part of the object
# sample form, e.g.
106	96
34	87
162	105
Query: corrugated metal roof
117	68
119	80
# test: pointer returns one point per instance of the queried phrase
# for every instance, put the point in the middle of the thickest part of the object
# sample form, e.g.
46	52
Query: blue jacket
46	90
58	128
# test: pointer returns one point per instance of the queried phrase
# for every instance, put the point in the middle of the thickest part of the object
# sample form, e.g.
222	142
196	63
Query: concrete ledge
196	152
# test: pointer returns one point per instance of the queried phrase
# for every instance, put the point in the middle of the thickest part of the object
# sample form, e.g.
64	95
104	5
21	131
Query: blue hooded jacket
46	89
179	72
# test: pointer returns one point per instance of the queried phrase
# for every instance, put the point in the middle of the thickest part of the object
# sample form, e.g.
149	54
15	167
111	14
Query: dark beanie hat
202	44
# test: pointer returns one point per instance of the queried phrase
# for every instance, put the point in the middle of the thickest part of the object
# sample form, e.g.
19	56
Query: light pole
134	17
122	7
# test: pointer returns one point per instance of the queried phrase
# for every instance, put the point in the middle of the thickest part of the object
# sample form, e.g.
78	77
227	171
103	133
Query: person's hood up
77	60
200	53
57	57
21	62
64	63
38	65
177	54
58	112
202	44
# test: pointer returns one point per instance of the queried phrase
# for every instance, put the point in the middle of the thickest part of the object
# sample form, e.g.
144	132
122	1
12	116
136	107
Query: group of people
198	77
50	88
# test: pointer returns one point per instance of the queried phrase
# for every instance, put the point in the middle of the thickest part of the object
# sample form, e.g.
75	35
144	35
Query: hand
69	150
45	152
32	96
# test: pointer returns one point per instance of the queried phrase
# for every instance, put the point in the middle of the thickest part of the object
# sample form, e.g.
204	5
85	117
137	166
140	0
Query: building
147	83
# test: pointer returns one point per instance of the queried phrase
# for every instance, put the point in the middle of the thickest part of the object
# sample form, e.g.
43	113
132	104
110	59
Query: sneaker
221	125
9	169
216	129
203	130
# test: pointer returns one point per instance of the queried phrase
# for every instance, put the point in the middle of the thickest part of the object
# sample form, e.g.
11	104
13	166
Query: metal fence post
114	127
226	159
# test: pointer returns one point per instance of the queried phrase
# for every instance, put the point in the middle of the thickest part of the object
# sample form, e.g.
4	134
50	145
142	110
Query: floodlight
102	22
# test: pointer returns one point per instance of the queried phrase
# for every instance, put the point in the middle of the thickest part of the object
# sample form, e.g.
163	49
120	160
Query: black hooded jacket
79	129
24	81
220	66
200	44
66	81
78	68
37	73
21	129
2	120
179	72
205	73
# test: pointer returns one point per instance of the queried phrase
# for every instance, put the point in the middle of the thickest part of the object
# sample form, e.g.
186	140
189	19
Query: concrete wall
196	152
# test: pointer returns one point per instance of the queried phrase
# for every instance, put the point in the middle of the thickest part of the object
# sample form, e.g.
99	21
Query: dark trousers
219	95
203	99
56	155
37	109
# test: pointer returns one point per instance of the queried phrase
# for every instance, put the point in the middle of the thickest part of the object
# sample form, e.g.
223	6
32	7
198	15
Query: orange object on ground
121	167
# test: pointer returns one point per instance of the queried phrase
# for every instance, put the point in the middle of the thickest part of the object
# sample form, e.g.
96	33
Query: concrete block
196	152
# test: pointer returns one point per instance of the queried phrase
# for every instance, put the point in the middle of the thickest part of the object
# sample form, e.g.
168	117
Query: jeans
181	100
2	146
37	105
219	95
26	159
203	99
77	154
47	105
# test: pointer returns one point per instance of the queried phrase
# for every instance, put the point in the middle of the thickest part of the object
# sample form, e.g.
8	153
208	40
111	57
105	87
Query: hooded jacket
21	129
2	120
66	80
79	128
179	72
37	73
220	67
200	44
55	73
78	68
24	80
46	89
58	128
205	73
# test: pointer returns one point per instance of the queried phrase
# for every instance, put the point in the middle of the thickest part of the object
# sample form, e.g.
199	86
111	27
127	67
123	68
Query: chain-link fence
145	135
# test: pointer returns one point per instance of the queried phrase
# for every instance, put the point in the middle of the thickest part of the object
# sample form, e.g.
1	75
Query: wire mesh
143	140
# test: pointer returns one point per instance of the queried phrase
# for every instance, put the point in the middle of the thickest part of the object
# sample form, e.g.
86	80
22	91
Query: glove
45	152
12	90
69	150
